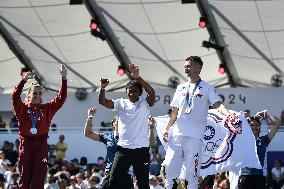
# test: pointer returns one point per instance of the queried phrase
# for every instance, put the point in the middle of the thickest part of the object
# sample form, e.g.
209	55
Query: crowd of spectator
79	173
12	125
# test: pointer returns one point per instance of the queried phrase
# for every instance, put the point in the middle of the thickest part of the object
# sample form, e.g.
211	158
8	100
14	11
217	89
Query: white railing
80	129
56	130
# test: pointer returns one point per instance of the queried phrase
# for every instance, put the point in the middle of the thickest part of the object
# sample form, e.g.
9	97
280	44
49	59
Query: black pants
128	184
252	181
139	158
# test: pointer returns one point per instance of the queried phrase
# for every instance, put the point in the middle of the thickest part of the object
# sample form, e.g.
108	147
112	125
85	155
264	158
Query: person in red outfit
34	119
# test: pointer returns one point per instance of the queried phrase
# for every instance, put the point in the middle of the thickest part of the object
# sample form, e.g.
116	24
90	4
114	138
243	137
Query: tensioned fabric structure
155	34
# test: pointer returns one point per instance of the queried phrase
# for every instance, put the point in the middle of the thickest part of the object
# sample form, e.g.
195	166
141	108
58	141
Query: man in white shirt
133	143
277	174
50	183
190	106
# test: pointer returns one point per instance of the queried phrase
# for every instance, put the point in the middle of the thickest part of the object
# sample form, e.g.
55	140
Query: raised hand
260	115
165	135
63	70
104	82
134	70
29	75
151	121
92	111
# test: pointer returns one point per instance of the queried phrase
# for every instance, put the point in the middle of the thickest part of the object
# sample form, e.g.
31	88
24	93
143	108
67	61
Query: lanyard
189	98
33	118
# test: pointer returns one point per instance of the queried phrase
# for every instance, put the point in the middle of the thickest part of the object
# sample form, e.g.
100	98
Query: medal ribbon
33	118
188	97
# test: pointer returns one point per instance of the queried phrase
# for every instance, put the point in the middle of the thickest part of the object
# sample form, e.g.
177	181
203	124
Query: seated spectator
277	174
11	153
3	128
64	170
74	167
100	160
62	181
207	182
17	145
9	173
14	123
223	184
14	184
80	181
5	147
94	182
83	162
3	169
51	150
88	172
50	182
221	181
73	182
154	182
97	172
52	161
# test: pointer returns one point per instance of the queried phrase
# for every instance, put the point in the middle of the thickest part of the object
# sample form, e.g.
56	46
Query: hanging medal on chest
34	119
187	110
189	98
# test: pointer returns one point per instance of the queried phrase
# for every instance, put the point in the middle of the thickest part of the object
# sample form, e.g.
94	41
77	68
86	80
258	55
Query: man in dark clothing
252	177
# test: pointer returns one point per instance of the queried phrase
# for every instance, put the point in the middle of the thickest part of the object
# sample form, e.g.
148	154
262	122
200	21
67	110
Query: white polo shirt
193	124
133	123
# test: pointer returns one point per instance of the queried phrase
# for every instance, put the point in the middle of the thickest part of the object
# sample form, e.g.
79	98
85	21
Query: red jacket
46	111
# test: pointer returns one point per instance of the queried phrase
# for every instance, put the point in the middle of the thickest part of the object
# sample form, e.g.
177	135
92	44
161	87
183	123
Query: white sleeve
175	101
213	96
116	104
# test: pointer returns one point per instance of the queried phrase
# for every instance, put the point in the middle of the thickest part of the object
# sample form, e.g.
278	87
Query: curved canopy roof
155	34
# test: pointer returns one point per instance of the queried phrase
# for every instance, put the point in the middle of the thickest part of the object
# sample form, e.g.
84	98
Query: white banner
222	150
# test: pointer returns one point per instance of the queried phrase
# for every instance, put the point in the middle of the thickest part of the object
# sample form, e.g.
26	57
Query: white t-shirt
133	123
277	172
193	124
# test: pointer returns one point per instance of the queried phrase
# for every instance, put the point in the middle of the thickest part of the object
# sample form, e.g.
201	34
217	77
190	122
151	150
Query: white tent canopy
155	34
252	32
